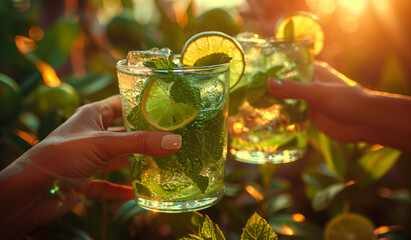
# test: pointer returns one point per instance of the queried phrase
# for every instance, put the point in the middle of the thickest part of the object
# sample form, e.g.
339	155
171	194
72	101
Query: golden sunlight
286	230
24	44
238	128
254	192
322	7
355	7
298	217
348	24
26	136
48	73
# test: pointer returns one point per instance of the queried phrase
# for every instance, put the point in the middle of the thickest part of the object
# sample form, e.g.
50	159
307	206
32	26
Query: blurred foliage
296	199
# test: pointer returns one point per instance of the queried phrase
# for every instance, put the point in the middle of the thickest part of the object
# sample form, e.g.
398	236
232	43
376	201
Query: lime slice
349	227
204	44
169	105
304	25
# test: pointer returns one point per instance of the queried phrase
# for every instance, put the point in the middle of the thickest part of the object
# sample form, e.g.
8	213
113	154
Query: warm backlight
26	46
49	75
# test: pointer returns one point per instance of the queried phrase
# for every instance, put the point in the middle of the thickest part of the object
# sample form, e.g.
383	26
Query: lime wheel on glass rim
172	104
304	24
204	44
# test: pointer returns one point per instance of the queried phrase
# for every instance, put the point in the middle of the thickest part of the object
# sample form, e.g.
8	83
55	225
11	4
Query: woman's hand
64	163
347	112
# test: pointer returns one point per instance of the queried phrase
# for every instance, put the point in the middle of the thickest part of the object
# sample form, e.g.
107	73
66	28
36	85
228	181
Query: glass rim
120	65
307	39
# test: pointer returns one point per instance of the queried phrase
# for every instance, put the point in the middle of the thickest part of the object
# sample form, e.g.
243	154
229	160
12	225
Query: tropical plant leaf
279	203
90	83
193	225
258	228
323	198
184	224
375	164
55	47
335	154
300	227
316	180
123	217
211	231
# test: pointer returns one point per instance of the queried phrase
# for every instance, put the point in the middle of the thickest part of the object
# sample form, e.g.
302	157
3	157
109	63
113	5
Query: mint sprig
213	59
289	31
160	63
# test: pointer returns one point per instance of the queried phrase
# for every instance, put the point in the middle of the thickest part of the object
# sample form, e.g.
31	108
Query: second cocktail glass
263	128
192	102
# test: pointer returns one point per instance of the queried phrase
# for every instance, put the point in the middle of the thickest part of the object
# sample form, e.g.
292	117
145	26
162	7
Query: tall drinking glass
197	97
264	128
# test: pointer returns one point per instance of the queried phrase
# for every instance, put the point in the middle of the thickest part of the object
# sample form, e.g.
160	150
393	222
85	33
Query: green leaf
211	231
257	93
302	230
334	155
136	118
289	31
198	150
160	63
184	224
194	226
375	164
201	181
323	198
90	83
57	42
280	202
13	140
258	228
182	91
318	179
118	224
213	59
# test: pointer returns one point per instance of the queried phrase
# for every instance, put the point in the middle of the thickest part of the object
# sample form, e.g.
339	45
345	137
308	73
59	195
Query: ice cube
137	58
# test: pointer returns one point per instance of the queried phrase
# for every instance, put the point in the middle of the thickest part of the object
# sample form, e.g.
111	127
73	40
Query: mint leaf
136	118
258	228
213	59
182	91
274	72
289	31
203	144
160	63
258	95
259	80
211	231
201	181
194	226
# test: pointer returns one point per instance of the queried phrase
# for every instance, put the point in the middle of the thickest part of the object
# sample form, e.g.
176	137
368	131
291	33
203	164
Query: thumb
151	143
291	89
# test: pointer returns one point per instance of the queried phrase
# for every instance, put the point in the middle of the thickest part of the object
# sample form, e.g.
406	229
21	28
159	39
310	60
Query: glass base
179	207
277	157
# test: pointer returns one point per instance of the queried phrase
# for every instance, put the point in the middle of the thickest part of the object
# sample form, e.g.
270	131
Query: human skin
68	158
348	112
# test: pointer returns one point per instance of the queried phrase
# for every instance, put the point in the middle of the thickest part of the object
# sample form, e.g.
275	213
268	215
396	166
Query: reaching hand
345	111
64	163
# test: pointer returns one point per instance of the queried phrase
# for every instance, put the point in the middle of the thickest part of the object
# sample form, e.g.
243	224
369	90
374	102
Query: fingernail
171	142
276	83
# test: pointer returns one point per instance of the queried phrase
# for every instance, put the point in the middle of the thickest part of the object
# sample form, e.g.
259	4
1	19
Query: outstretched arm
346	111
55	175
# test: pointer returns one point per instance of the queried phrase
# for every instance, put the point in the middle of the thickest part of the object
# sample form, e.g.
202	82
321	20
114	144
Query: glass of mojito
158	94
264	128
